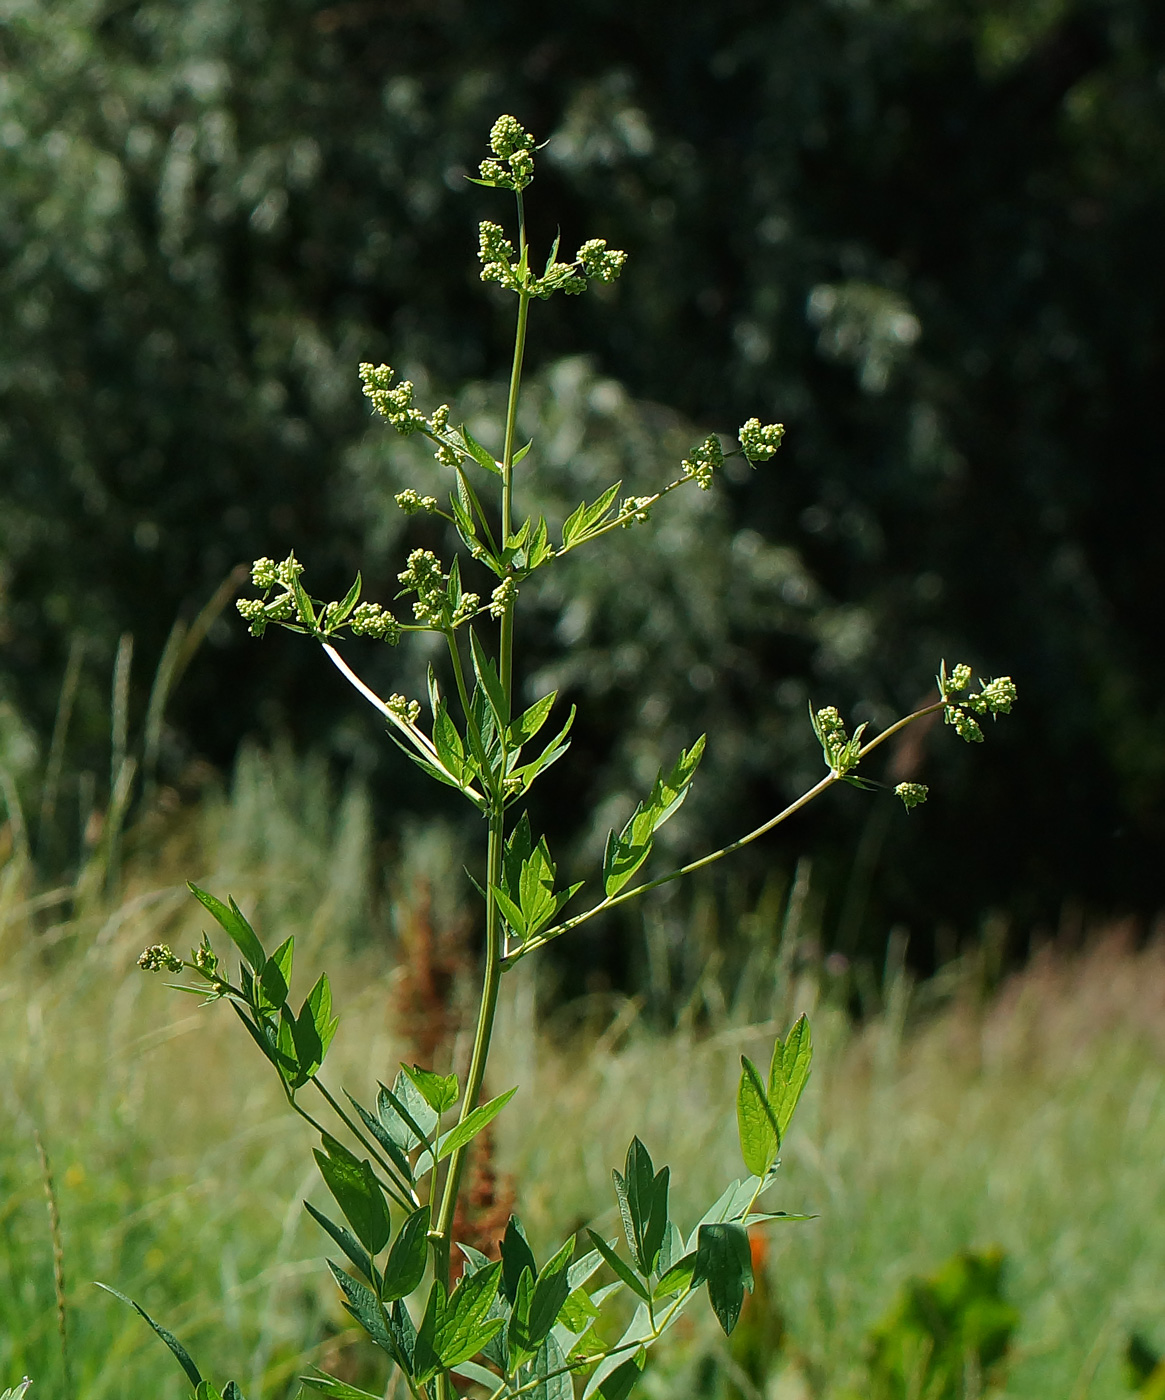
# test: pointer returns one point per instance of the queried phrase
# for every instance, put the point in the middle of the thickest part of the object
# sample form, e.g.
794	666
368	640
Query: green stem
806	797
491	982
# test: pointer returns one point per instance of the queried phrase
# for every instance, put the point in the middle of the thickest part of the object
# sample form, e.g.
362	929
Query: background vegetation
922	232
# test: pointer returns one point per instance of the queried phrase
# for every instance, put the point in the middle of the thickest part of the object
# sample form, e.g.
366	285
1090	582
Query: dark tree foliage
923	233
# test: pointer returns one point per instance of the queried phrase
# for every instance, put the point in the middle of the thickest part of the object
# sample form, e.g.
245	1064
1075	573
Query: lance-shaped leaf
467	1129
517	1256
274	979
480	455
627	851
357	1193
760	1136
390	1144
338	1390
179	1351
642	1196
789	1071
487	676
406	1260
406	1116
725	1262
456	1327
362	1304
313	1029
231	920
348	1242
530	721
621	1269
579	525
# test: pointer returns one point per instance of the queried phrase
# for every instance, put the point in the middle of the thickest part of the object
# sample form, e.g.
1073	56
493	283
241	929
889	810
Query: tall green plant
514	1326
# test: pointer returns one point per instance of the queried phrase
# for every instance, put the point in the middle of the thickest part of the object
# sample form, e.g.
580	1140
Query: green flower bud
703	461
254	614
639	508
965	727
411	503
393	403
371	620
501	597
998	695
408	710
599	262
760	442
160	957
263	574
912	794
465	609
508	135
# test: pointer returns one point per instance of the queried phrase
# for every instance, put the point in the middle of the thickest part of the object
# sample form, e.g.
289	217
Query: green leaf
789	1072
274	978
554	1381
303	605
362	1304
517	1331
487	675
478	453
516	1256
447	740
455	1328
760	1137
521	452
724	1261
180	1352
440	1091
511	913
472	1124
530	721
338	1390
231	1392
578	1312
551	1290
405	1114
385	1139
678	1279
642	1196
550	754
621	1269
231	920
346	1240
621	1382
478	1374
314	1027
349	601
406	1260
357	1193
206	1391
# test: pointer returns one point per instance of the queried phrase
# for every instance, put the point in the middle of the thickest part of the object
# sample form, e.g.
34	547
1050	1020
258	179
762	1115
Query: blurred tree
922	232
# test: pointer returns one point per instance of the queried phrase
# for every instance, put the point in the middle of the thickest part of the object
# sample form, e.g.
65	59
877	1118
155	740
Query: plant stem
491	982
806	797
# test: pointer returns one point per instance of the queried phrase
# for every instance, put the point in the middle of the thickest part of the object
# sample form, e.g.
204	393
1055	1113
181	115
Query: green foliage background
923	233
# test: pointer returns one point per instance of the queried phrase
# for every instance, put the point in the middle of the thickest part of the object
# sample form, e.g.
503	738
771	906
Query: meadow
960	1113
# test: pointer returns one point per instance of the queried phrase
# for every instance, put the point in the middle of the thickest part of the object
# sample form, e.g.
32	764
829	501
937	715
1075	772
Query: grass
1033	1120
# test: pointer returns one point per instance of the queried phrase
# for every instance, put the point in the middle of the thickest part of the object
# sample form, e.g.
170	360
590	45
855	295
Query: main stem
491	979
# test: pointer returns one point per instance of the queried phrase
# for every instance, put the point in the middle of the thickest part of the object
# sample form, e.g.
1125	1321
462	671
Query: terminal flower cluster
160	957
292	606
439	602
912	794
759	442
841	752
512	147
993	698
412	504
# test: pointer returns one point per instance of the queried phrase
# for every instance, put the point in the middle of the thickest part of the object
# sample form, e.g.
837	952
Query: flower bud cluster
512	144
598	262
258	614
501	598
760	441
497	256
408	710
423	576
992	698
160	957
703	462
411	503
841	753
637	509
912	794
205	959
393	403
371	620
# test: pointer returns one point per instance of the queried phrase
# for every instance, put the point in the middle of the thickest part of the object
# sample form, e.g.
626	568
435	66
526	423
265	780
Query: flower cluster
841	753
760	441
912	794
371	620
636	509
160	957
408	710
512	146
703	462
501	598
598	262
497	256
992	698
434	604
395	404
411	503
